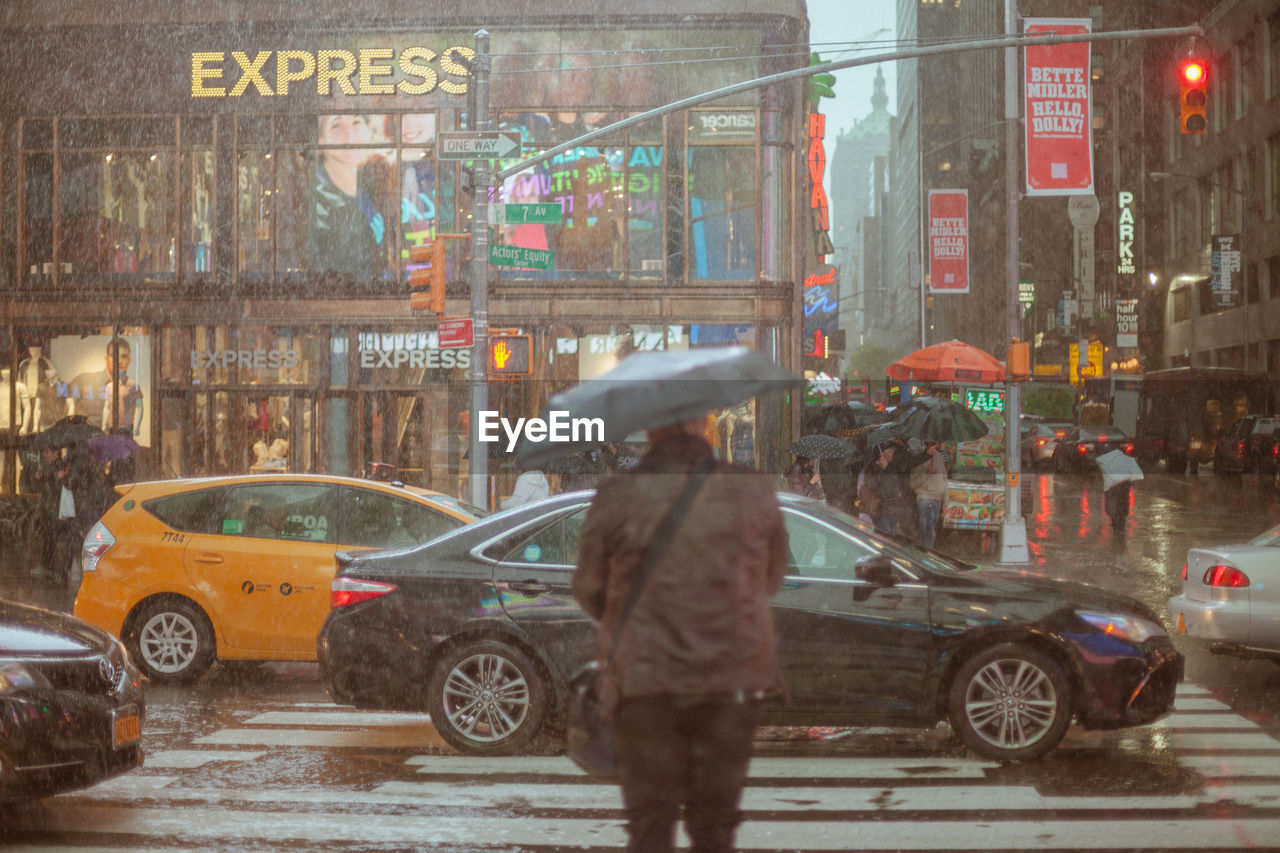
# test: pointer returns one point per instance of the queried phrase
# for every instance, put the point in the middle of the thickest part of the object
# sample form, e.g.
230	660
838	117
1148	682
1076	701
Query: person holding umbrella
804	479
696	654
929	482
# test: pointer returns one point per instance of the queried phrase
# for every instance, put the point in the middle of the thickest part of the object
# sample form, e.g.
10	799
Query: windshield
1271	538
892	546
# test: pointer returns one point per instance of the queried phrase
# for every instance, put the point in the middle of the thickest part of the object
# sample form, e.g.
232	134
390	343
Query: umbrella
653	389
953	361
72	429
1118	467
109	448
931	419
822	447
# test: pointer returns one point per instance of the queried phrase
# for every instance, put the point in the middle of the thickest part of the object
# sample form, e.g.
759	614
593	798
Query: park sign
481	145
520	256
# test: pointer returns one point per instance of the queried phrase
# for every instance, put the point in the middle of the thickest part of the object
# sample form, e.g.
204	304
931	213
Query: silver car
1231	597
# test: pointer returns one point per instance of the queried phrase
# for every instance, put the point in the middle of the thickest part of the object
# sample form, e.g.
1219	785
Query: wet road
260	759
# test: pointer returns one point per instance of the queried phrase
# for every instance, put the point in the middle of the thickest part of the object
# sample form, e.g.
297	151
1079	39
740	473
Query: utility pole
1013	530
476	451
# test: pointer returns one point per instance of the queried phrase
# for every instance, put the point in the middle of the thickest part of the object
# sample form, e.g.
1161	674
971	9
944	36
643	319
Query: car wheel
173	642
487	698
1010	703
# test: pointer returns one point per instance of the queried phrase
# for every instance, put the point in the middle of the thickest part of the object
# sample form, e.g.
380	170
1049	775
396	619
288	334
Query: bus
1182	412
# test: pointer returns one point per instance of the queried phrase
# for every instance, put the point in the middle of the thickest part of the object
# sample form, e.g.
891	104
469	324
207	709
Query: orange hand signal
501	352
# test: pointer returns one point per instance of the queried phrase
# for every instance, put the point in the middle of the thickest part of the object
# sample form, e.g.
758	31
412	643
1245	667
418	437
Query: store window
721	210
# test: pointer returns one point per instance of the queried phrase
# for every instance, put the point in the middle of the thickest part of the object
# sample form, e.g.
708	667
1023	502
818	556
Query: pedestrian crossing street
1204	778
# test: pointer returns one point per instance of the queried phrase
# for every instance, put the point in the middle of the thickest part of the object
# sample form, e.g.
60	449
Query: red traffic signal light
1193	97
509	355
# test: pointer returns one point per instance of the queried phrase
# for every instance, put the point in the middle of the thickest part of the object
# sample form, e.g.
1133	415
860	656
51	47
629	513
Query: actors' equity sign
1059	130
948	241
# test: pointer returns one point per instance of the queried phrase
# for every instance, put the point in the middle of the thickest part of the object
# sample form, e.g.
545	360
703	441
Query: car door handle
207	559
529	587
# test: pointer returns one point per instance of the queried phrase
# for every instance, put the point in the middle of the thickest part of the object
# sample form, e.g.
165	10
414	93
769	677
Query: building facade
206	212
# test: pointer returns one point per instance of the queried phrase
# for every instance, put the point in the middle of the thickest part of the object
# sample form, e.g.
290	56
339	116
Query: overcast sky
833	22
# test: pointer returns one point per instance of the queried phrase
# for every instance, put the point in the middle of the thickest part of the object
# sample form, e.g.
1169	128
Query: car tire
1006	685
487	698
172	641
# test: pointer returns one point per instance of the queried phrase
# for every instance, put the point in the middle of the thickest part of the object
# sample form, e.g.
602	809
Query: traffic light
509	355
1193	98
427	284
1019	359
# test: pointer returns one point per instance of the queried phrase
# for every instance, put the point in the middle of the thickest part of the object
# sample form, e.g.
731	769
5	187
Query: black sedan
1080	448
71	704
479	627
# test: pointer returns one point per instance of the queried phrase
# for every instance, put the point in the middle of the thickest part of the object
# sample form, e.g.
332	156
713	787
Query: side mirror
876	570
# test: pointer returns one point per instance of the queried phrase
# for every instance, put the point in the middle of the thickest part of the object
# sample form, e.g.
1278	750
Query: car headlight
1135	629
16	676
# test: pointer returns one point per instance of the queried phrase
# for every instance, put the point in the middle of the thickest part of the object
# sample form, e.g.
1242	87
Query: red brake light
1184	571
1040	442
1102	438
1128	448
348	591
1082	449
1058	434
1225	576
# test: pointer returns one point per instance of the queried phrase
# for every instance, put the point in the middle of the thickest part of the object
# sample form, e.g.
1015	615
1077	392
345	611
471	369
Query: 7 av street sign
481	145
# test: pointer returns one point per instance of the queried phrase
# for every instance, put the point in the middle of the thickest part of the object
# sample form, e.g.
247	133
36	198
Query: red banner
1059	125
948	241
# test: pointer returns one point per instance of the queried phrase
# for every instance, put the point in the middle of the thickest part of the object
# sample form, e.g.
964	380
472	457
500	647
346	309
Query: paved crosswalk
319	776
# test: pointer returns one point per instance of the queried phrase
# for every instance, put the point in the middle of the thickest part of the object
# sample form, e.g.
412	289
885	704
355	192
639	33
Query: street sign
527	214
454	332
481	145
519	256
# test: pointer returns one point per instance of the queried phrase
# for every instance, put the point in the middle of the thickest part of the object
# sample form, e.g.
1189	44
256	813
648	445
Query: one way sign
482	145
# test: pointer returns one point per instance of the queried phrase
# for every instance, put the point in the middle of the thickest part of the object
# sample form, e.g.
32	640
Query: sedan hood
34	632
1018	582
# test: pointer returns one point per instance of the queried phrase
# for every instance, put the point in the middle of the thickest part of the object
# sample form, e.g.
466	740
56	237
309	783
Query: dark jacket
702	625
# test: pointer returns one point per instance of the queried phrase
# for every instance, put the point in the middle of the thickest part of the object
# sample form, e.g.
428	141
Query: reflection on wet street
258	757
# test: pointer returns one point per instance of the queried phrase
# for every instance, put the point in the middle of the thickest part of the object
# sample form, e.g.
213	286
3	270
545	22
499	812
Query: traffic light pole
477	452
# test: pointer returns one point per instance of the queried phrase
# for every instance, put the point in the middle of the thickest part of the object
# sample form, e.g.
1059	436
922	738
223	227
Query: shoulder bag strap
658	542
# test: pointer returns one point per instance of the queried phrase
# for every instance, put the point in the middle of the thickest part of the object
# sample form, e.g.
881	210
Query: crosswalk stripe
397	737
213	826
338	717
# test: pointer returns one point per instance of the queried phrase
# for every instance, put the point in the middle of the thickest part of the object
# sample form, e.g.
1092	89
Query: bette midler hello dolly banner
1059	127
948	241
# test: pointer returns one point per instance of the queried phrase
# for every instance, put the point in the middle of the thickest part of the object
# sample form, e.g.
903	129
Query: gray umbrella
653	389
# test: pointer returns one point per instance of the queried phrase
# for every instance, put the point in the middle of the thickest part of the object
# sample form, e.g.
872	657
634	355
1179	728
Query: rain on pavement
257	757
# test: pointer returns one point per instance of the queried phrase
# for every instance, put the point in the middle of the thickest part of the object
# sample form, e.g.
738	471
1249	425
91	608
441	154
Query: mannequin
125	417
6	413
36	378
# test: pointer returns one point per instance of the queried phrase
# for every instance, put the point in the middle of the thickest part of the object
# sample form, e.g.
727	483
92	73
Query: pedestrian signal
1193	98
509	355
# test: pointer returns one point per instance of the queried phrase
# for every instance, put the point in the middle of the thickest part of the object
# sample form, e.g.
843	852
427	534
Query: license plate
125	729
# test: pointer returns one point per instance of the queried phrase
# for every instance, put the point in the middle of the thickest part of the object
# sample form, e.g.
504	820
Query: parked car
1080	448
238	568
71	704
479	628
1039	440
1231	597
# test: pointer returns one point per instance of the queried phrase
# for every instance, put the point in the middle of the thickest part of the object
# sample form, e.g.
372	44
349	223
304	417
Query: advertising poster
1059	129
948	241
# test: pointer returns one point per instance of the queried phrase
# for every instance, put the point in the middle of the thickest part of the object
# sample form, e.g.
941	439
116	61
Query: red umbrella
953	361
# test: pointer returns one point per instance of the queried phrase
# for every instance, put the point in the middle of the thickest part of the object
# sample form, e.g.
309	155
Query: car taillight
1102	438
1184	571
96	543
1225	576
1040	442
1240	445
348	591
1275	450
1082	449
1128	448
1059	434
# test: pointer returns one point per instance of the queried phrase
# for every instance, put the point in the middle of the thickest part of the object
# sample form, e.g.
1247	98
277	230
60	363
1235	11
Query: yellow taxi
238	568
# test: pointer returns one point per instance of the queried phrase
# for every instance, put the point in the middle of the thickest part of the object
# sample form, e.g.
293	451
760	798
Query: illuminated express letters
367	71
